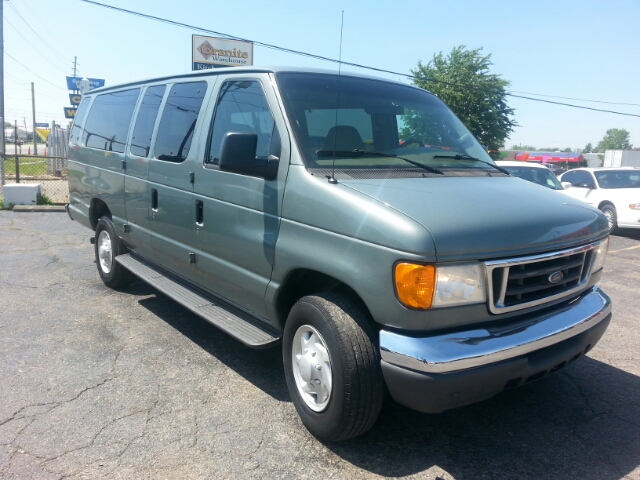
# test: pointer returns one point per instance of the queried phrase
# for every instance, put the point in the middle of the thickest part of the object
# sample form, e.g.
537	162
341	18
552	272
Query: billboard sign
212	52
73	83
75	99
42	125
69	112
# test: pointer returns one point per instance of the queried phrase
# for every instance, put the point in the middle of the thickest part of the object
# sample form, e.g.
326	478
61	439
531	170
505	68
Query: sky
586	51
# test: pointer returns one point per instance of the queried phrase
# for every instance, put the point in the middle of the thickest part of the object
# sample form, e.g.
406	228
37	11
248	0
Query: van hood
488	217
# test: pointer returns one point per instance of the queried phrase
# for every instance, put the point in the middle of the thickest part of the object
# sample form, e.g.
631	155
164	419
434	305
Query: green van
354	221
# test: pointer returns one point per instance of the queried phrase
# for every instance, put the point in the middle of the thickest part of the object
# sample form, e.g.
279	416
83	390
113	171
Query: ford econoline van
354	221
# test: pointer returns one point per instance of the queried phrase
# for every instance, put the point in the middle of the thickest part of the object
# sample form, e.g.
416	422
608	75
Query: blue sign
72	83
42	125
75	99
69	112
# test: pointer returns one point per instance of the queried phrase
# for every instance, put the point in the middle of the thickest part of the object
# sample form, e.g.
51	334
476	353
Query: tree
587	148
614	139
462	81
524	148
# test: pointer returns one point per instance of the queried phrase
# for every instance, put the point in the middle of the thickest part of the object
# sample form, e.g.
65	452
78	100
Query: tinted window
78	120
618	178
109	119
242	107
583	179
146	119
332	116
179	121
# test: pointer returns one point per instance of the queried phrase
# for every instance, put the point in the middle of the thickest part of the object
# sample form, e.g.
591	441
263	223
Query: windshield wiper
464	156
358	153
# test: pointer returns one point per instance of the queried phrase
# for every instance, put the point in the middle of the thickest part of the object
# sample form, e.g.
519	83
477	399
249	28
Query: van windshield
371	121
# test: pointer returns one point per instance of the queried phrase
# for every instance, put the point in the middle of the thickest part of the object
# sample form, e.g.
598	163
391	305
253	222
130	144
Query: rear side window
146	119
76	131
108	122
179	121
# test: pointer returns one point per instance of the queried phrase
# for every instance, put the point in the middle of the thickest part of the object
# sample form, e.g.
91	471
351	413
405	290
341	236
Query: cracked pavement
96	383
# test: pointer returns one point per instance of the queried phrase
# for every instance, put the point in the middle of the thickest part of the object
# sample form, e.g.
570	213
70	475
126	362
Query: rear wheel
332	367
610	212
107	247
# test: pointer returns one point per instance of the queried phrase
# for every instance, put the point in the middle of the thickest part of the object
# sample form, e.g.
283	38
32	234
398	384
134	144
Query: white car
533	172
615	191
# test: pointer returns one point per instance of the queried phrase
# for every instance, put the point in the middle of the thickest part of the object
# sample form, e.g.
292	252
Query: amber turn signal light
415	284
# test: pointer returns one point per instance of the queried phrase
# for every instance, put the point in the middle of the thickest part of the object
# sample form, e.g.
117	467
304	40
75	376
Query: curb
39	208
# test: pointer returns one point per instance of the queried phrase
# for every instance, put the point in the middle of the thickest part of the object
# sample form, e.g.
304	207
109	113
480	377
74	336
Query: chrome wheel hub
311	365
105	252
609	215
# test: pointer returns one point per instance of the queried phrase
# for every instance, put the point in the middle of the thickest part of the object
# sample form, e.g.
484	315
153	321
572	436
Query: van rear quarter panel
96	174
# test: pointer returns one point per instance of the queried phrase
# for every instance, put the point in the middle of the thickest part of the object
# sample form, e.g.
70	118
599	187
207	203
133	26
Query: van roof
239	71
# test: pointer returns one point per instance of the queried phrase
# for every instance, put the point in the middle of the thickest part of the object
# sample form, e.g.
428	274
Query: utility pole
2	146
33	109
75	63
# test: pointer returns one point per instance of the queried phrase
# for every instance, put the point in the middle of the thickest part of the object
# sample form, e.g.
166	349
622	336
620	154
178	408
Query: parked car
615	191
377	244
532	172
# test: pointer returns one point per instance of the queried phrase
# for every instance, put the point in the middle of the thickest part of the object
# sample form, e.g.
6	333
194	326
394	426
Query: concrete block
21	193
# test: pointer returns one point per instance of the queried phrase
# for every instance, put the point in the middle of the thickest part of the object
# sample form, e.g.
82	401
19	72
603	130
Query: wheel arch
604	203
302	282
97	208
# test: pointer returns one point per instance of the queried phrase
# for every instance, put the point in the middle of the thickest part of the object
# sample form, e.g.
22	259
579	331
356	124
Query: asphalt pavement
96	383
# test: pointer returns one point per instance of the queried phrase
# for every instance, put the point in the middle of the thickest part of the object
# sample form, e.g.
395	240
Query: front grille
519	283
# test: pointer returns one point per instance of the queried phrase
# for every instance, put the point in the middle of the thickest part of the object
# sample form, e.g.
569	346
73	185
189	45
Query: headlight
600	255
426	286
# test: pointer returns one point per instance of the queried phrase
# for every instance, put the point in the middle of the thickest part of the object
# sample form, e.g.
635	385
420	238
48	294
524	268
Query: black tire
357	387
107	247
612	217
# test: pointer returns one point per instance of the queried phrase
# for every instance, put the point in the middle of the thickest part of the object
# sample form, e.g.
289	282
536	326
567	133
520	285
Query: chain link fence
49	169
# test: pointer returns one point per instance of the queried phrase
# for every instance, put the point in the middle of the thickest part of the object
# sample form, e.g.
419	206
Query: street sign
75	99
69	112
42	125
73	83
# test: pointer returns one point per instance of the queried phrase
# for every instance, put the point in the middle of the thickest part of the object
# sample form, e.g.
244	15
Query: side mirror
238	155
566	185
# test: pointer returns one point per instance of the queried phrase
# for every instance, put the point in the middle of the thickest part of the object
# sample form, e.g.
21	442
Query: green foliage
587	148
43	200
524	148
462	81
614	139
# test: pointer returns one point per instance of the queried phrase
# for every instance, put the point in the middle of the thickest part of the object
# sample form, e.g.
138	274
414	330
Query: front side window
146	119
349	122
178	121
108	122
582	179
242	108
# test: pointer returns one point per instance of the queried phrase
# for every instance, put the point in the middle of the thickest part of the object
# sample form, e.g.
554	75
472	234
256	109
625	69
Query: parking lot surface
96	383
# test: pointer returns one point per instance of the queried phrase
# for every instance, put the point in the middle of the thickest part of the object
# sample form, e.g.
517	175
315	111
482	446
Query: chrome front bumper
463	350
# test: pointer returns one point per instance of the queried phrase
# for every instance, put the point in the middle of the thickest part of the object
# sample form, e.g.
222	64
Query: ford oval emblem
555	277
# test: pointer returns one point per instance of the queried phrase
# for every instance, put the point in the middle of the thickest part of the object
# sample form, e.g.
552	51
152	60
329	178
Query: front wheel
610	212
332	367
107	247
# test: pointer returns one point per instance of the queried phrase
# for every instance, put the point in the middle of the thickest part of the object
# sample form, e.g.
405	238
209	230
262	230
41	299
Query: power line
576	99
36	48
576	106
333	60
48	44
27	68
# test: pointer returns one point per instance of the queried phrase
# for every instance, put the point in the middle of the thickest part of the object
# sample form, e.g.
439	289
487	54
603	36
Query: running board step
230	320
